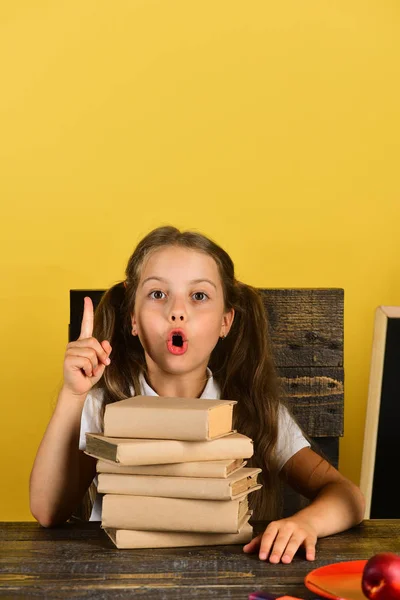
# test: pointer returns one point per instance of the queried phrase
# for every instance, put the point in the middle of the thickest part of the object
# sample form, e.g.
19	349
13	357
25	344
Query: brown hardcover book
132	538
159	417
154	452
201	488
206	468
149	513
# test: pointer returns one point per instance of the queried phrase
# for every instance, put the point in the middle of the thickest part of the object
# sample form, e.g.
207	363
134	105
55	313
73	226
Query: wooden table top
77	560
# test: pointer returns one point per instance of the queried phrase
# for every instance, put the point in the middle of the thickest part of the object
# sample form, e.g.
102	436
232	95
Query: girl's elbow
361	506
45	517
45	520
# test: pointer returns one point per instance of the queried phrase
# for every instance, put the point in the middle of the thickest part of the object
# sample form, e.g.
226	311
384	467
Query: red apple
381	577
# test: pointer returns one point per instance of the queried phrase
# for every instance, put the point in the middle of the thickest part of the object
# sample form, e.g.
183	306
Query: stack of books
172	471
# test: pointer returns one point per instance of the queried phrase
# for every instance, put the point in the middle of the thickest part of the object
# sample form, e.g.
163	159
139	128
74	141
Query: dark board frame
306	331
381	451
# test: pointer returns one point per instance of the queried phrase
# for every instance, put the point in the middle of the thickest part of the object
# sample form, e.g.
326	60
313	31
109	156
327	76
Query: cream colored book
154	452
132	538
201	488
159	417
205	468
148	513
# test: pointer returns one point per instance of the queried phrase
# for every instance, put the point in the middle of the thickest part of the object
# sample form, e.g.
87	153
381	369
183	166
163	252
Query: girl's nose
177	316
177	310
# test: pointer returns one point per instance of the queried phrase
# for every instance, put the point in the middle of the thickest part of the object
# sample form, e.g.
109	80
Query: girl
182	325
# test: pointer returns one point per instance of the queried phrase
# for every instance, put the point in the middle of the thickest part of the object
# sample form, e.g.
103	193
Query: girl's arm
336	505
61	472
336	502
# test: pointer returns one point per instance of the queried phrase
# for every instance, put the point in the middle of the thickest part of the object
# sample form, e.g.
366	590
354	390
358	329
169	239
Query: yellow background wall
273	127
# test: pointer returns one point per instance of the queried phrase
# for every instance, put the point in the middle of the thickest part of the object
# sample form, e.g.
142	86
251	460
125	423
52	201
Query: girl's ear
227	321
134	325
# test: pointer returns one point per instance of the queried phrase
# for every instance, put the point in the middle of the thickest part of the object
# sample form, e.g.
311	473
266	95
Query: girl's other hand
281	540
85	359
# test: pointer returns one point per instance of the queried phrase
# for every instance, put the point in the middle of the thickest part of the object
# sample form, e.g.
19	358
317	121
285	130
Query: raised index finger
87	319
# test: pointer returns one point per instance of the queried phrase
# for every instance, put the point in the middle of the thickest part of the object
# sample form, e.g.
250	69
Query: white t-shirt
290	437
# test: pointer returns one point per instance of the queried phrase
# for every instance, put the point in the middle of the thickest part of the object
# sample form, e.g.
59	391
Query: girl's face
179	310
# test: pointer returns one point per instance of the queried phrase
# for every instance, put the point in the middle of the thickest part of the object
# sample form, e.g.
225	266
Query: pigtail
243	366
112	322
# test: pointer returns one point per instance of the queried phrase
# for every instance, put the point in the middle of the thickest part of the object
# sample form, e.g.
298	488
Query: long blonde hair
242	364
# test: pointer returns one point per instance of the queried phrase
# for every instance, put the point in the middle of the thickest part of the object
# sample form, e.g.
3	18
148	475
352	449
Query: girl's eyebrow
191	282
203	280
154	277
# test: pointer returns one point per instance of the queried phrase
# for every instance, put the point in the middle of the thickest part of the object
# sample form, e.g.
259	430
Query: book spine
172	424
125	538
174	451
170	514
190	469
166	487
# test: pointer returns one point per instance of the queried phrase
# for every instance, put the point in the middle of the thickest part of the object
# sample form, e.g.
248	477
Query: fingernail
108	361
274	558
263	555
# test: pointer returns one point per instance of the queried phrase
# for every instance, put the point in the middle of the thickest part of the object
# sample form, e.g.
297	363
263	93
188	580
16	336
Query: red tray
338	581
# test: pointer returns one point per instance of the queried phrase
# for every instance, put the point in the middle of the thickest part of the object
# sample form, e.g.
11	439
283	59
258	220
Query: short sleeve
91	416
290	437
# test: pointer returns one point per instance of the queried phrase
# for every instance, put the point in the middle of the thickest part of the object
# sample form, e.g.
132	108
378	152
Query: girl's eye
200	296
157	295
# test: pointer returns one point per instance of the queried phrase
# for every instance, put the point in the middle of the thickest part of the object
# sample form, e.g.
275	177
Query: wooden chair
306	329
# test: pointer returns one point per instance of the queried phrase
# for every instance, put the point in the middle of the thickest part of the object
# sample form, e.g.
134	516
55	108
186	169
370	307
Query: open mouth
177	342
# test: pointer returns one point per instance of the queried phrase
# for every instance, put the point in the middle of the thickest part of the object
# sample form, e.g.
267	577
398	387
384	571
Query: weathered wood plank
316	397
306	325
